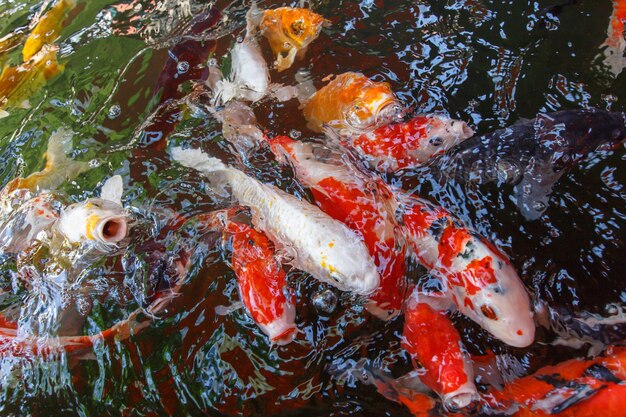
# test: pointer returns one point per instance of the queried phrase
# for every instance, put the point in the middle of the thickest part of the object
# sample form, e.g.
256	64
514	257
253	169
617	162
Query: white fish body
322	246
249	77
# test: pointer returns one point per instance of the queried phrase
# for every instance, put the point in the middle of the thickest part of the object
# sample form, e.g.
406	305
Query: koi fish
355	200
249	77
58	169
25	208
431	340
289	31
400	145
18	83
532	154
102	221
262	281
321	246
482	283
351	104
574	388
47	29
615	44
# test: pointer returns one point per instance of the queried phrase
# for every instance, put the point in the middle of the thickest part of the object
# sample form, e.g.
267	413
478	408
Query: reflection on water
132	85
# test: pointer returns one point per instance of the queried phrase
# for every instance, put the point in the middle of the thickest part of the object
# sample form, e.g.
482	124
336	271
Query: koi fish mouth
363	120
389	112
112	229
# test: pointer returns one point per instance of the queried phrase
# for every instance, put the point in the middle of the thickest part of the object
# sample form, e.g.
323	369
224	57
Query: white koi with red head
322	246
101	221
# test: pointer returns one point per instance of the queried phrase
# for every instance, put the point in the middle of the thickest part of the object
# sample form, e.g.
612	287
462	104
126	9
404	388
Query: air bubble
182	67
115	111
325	301
295	134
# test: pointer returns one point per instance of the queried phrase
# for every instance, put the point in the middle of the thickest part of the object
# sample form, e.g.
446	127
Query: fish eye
488	312
298	27
436	141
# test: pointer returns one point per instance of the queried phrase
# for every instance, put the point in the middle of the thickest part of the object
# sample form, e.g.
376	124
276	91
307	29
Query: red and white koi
320	245
478	277
356	200
400	145
615	43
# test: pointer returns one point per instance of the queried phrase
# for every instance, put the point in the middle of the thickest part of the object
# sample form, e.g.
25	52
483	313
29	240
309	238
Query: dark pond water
128	67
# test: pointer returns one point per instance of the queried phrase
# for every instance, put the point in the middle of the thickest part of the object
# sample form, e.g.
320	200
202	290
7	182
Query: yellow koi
47	29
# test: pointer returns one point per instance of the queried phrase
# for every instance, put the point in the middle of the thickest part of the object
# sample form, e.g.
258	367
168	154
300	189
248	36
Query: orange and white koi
351	104
289	31
47	28
615	42
18	83
354	199
262	281
482	283
405	144
432	341
320	245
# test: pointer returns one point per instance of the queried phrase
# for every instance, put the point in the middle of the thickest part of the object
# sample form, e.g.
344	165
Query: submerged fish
262	282
289	31
320	245
47	29
58	169
351	104
615	44
18	83
532	154
400	145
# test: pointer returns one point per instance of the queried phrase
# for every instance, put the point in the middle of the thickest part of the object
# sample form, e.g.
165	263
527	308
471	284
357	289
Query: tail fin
198	160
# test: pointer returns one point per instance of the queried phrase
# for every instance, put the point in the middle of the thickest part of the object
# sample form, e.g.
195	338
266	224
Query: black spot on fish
601	373
553	379
437	227
582	392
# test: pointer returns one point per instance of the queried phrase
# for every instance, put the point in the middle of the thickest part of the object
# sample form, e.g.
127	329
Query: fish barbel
351	104
18	83
289	31
47	29
322	246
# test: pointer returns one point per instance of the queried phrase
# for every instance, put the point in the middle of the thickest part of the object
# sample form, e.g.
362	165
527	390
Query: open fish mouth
113	229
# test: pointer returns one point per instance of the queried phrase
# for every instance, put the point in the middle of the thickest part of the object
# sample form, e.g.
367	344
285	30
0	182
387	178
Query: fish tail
198	160
253	19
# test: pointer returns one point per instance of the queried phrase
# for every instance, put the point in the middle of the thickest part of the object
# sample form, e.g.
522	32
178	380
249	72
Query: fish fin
3	114
113	189
305	86
196	159
226	310
283	92
253	19
59	146
24	105
284	62
224	92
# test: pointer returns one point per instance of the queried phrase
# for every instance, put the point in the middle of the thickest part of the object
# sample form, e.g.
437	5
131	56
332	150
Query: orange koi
47	29
261	282
351	103
362	205
615	43
289	32
17	83
400	145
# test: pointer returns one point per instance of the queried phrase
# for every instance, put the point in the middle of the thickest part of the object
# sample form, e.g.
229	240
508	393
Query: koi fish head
441	133
289	31
374	105
495	297
102	221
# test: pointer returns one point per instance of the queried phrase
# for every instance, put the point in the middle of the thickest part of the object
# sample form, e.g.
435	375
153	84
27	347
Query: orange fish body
261	282
483	284
47	29
18	83
400	145
431	340
289	32
351	102
348	197
615	31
